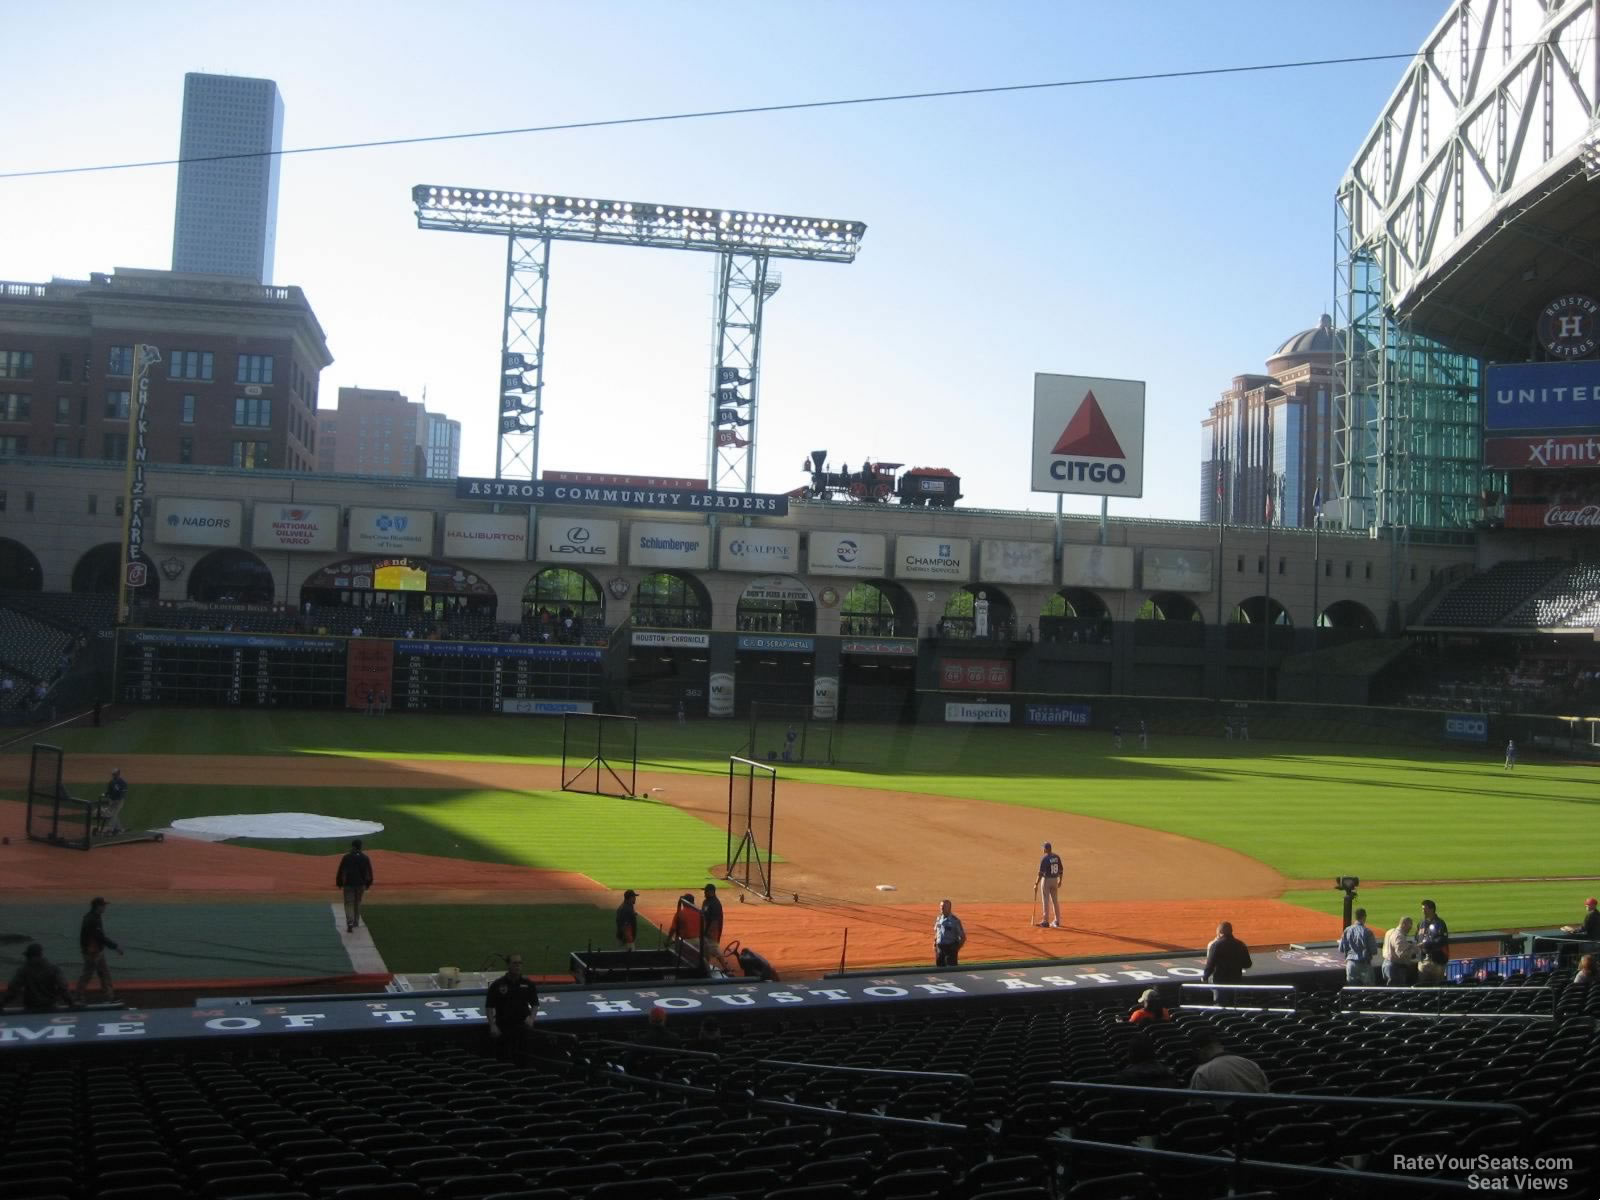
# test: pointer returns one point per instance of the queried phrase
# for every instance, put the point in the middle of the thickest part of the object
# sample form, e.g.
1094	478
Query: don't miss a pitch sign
1088	435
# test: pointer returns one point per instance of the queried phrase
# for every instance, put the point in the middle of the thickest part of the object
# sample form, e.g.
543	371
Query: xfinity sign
1088	435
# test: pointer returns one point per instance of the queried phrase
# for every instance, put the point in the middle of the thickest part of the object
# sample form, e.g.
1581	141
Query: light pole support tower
521	380
745	282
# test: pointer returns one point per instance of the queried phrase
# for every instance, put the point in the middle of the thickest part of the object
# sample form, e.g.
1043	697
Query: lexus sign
578	543
1088	435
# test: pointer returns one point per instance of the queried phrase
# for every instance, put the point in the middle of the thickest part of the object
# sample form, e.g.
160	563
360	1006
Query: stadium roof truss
745	243
1467	207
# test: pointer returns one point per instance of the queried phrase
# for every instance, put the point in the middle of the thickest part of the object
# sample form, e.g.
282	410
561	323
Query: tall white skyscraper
228	208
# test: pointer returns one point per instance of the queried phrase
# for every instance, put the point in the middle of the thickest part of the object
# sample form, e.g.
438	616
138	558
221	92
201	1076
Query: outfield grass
421	938
1311	812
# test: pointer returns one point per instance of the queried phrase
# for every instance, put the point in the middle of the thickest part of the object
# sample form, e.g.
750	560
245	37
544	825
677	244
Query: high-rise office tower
228	180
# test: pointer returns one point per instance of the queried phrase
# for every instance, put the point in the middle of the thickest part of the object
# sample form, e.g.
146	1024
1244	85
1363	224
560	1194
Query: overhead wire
712	113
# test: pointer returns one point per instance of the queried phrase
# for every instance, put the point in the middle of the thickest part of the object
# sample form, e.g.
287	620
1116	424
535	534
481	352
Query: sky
1172	231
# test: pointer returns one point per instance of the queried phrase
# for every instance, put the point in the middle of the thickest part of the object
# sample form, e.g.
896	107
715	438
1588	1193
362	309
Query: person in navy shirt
949	935
1049	887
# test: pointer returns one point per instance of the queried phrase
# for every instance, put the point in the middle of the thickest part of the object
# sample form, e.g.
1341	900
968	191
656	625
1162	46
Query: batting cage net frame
814	742
53	816
597	751
752	803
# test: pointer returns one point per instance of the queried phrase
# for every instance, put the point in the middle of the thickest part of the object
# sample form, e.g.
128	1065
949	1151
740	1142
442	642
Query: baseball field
481	852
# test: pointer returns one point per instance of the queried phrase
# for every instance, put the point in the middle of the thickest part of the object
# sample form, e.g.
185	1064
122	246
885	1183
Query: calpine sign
1088	435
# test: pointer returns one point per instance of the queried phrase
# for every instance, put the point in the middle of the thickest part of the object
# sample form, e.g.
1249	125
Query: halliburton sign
1553	516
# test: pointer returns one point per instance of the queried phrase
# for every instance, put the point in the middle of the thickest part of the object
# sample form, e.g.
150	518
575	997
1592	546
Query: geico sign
1071	470
1471	726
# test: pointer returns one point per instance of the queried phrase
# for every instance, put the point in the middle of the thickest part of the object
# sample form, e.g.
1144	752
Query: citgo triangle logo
1088	434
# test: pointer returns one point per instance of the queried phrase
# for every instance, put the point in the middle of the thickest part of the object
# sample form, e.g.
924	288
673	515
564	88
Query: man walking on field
1049	888
354	877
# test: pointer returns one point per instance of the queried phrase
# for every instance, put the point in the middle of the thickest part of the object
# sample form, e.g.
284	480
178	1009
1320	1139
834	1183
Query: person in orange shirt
1149	1010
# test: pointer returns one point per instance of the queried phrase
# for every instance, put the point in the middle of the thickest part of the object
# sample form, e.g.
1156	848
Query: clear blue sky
1172	231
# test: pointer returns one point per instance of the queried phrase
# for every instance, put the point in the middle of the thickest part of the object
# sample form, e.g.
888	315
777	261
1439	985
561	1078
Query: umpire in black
513	1004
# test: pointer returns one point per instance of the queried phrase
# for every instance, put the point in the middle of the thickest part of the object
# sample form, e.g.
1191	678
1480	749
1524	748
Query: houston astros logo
1568	327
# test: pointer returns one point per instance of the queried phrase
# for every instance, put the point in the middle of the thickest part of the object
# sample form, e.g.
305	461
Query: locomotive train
877	482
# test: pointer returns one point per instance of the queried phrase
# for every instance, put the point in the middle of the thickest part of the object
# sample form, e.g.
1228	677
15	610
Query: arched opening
391	597
877	608
19	569
100	569
560	604
1349	616
1259	609
1075	615
1169	606
979	610
776	604
231	576
671	600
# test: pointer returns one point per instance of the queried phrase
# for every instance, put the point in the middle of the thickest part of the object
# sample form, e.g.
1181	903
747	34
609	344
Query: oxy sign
1088	435
578	543
858	554
486	535
761	550
197	522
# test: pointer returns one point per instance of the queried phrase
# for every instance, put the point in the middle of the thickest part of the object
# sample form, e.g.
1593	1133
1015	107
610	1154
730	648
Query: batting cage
599	754
53	816
789	733
752	815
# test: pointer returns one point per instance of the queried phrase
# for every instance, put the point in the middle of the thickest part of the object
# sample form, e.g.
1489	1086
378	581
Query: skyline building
227	208
377	431
1269	433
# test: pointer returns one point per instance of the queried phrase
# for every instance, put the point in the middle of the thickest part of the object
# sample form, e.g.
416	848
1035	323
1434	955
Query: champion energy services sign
1088	435
933	558
197	522
294	526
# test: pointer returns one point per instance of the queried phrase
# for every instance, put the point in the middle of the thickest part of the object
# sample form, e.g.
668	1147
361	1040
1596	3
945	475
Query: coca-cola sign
1553	516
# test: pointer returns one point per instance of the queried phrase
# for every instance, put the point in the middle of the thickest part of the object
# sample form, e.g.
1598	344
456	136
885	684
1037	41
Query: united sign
1088	435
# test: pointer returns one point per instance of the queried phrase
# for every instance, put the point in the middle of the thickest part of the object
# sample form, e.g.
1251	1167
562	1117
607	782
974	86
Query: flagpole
1316	586
1266	599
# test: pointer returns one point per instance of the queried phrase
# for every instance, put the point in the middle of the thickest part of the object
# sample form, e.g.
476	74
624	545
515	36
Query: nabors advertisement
1088	435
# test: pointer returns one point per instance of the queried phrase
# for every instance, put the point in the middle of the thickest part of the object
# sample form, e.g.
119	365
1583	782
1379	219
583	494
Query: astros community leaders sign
543	491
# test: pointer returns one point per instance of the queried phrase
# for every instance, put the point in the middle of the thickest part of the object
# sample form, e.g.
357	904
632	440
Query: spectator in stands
1589	927
1359	945
111	802
627	920
949	935
94	942
1149	1010
353	877
711	923
1227	958
38	983
1433	943
1219	1071
1585	973
1144	1069
1400	955
512	1002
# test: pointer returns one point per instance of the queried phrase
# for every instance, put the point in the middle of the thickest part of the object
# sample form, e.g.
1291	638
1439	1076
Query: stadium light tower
745	243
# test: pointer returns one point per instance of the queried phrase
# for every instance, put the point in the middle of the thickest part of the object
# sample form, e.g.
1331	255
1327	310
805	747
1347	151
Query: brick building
236	385
380	432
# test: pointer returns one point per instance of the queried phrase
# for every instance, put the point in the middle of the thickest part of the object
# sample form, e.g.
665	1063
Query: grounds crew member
111	802
355	877
38	983
1049	887
94	943
513	1005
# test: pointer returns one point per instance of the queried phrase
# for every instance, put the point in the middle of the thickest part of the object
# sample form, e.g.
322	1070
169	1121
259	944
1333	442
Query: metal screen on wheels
790	733
53	816
752	814
599	754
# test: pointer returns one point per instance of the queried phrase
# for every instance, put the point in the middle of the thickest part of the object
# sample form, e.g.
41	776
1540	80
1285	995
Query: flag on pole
1316	499
1269	504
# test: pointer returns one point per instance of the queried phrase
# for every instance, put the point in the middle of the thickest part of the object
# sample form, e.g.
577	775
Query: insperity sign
1088	435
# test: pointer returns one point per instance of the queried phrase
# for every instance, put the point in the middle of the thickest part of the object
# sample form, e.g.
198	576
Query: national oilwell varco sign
1088	435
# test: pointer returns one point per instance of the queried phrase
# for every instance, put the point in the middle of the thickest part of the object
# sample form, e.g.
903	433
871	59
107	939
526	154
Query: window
190	364
1347	569
1239	565
62	447
94	504
27	501
254	368
120	361
118	506
1261	565
252	411
1280	566
83	410
251	455
2	500
63	410
186	415
1369	571
1327	569
64	368
114	446
15	406
116	406
186	449
1413	573
16	364
13	445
